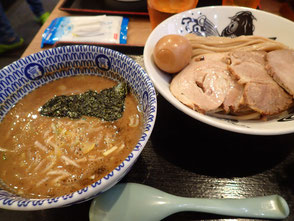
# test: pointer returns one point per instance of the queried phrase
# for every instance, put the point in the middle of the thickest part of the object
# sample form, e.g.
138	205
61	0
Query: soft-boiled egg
172	53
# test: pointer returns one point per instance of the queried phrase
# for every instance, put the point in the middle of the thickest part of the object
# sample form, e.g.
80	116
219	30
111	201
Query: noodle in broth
45	157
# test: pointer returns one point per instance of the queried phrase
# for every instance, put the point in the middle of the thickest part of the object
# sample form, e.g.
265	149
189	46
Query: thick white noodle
212	44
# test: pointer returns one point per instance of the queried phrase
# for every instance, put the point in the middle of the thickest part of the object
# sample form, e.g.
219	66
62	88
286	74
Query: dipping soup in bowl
74	120
59	155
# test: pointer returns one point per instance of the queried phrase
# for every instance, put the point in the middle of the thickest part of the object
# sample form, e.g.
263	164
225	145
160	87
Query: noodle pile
204	45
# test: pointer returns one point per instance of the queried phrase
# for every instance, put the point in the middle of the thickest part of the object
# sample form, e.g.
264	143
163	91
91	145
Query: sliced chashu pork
248	67
280	65
267	99
206	84
261	93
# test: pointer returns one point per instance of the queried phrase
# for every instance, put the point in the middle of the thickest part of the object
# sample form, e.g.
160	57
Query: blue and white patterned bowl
29	73
227	21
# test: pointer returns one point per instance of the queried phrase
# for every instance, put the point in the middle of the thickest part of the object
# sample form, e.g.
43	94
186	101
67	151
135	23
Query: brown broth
43	157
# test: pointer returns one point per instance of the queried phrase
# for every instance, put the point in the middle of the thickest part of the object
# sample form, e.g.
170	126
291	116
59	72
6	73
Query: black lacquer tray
113	7
116	7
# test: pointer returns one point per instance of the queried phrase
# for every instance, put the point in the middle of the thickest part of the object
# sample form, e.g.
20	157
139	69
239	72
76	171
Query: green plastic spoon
133	201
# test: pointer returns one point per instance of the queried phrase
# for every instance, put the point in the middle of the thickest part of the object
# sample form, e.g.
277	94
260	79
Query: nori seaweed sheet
108	104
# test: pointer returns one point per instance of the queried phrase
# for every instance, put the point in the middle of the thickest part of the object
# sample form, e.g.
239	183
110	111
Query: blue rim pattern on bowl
241	23
33	71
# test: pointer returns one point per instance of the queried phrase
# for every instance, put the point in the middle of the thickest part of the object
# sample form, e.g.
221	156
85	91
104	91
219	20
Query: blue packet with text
92	29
